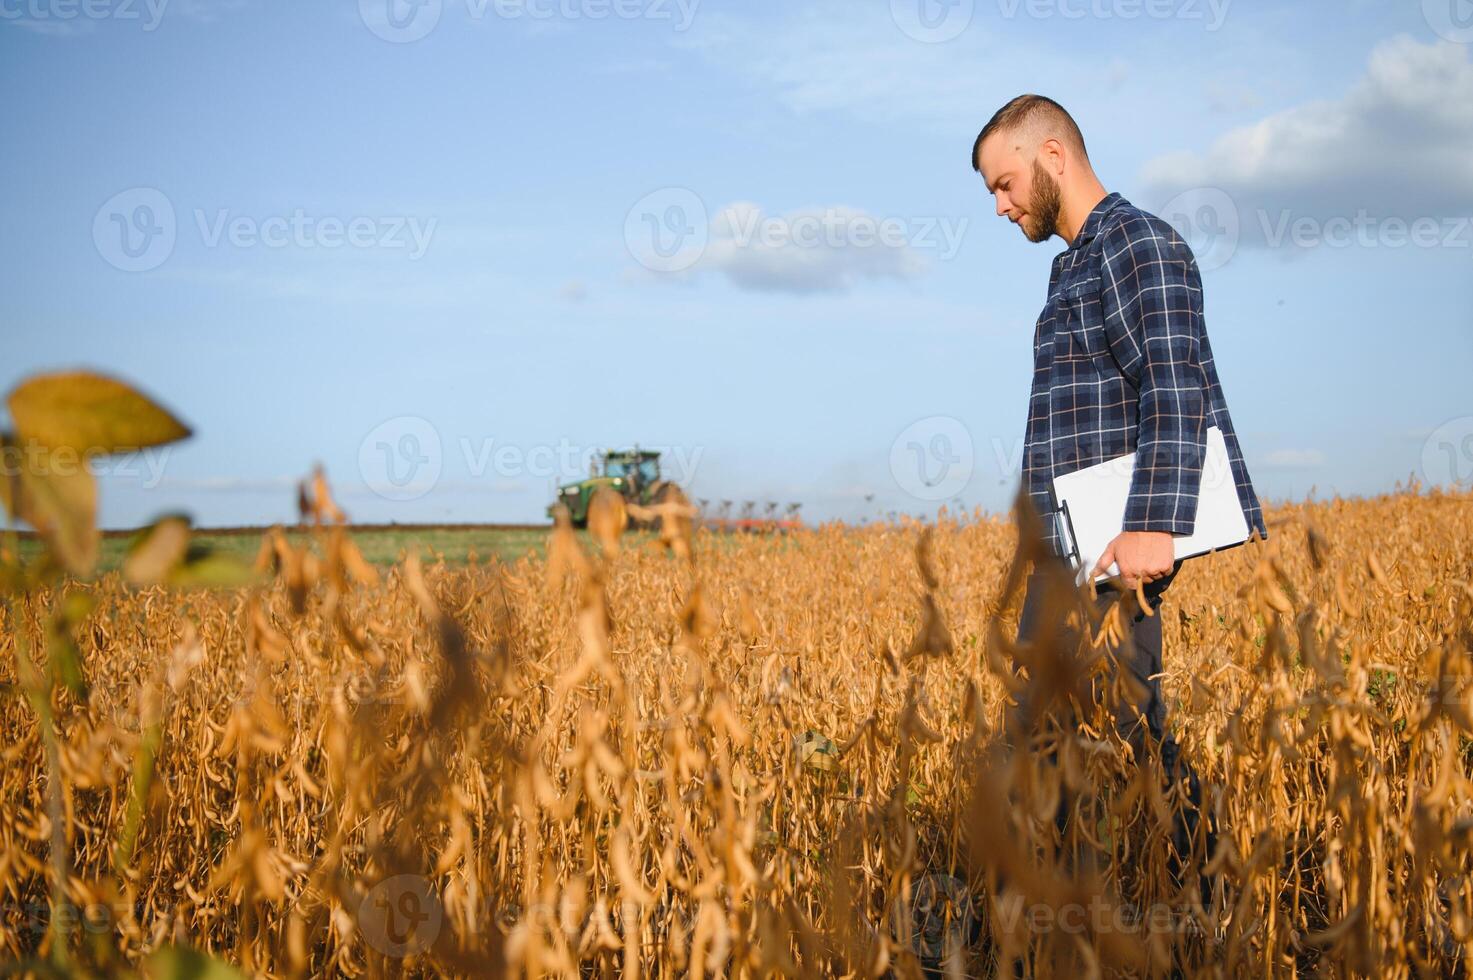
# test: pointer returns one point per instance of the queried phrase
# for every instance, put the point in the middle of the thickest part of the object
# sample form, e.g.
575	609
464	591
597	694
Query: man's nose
1003	206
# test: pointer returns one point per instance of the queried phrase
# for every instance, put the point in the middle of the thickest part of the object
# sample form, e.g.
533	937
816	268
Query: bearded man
1121	364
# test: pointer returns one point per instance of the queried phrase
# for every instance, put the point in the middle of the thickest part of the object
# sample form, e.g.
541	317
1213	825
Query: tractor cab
640	468
632	473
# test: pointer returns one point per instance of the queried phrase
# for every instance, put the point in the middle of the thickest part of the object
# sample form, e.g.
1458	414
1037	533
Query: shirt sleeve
1151	294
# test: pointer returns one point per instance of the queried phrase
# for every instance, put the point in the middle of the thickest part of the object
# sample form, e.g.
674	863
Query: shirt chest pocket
1081	320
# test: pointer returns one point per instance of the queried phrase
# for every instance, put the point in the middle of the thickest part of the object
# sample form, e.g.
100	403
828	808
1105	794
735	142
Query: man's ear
1052	154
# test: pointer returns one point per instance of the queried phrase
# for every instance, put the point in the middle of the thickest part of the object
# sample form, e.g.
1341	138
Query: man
1121	365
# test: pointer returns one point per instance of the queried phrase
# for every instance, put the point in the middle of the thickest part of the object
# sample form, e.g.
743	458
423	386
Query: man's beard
1043	206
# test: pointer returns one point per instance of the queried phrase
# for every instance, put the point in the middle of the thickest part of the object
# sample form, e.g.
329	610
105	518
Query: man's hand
1143	556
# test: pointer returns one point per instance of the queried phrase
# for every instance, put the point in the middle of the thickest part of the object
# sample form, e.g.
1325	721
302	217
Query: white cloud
816	249
1398	144
808	250
853	58
1222	97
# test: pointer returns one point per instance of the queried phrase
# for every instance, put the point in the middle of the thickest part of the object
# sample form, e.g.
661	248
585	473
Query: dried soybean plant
673	754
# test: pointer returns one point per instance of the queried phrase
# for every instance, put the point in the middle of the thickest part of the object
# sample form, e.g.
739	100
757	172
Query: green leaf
212	570
10	462
62	653
13	577
162	553
60	502
143	769
157	551
182	963
90	413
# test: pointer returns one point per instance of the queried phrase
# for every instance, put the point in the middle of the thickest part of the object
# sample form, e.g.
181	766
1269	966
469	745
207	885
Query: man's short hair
1035	113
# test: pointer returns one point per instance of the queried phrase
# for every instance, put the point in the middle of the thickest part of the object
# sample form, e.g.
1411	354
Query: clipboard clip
1066	523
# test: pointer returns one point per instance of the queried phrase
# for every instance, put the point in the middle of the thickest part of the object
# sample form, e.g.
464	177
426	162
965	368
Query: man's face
1026	193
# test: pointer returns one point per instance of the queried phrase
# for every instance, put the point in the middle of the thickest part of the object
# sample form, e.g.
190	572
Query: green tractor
632	473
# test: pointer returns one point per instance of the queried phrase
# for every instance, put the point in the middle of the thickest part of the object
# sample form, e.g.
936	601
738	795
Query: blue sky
448	250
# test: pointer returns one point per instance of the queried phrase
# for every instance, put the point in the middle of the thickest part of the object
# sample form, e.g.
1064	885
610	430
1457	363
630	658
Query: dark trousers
1142	721
1139	653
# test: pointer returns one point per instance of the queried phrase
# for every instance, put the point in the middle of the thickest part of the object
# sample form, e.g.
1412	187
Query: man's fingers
1106	560
1129	574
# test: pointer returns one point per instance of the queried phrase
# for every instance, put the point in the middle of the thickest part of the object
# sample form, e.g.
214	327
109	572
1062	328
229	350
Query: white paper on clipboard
1091	508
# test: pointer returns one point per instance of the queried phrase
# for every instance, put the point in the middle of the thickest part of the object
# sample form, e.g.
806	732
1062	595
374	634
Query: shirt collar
1096	218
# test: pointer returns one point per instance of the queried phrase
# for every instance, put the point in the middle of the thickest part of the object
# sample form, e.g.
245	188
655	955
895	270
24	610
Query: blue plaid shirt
1121	364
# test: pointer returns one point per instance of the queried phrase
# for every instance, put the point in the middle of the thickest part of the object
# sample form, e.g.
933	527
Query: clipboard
1090	504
